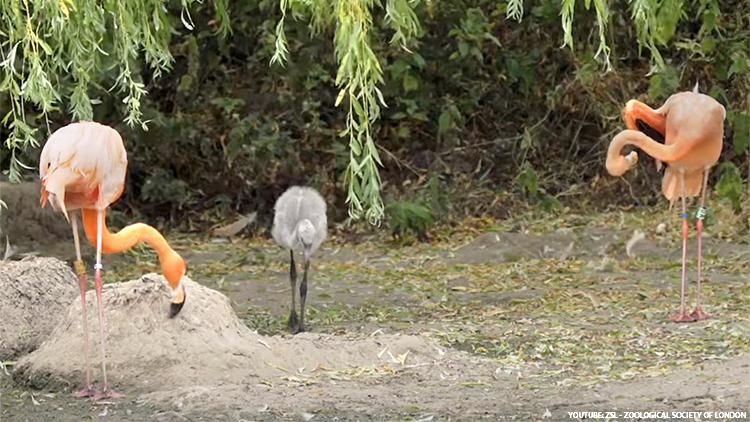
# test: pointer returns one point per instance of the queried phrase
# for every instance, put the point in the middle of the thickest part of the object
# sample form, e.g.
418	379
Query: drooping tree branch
358	78
54	55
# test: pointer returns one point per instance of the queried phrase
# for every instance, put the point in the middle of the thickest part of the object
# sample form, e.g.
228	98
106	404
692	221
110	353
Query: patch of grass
331	318
262	321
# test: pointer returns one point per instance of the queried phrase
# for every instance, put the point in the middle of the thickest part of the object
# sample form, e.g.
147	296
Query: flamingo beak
61	204
43	194
57	201
307	253
178	301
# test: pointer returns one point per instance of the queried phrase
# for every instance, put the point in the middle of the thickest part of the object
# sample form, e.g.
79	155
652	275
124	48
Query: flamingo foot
682	317
293	324
85	392
107	393
699	315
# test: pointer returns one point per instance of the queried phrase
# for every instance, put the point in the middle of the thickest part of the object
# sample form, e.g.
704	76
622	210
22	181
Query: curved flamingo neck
616	163
659	151
126	238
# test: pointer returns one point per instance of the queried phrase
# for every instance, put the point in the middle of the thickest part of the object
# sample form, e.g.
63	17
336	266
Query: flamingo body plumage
692	126
82	168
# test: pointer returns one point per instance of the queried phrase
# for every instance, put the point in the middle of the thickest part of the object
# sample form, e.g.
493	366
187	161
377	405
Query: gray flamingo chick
299	223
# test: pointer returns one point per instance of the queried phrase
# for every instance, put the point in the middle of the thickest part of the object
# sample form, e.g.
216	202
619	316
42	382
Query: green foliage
471	35
437	197
57	55
741	130
450	119
528	181
360	73
160	187
656	24
515	10
602	20
409	216
358	76
478	93
420	211
664	83
730	186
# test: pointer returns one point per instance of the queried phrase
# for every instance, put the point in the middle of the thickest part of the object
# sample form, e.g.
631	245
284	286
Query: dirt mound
206	346
34	292
24	220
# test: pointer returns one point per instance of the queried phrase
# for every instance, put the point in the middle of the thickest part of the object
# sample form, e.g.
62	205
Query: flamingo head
53	189
306	236
174	268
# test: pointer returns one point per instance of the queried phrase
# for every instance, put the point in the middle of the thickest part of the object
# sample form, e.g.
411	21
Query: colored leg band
684	214
701	214
98	266
79	267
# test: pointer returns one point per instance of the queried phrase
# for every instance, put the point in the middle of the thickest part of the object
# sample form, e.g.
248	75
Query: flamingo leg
106	391
698	313
80	267
683	316
303	296
294	324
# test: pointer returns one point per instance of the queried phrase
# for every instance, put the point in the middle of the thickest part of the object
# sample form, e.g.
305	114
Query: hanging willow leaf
358	76
54	53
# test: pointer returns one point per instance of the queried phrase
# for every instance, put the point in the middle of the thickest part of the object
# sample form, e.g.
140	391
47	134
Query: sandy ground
206	361
509	325
206	364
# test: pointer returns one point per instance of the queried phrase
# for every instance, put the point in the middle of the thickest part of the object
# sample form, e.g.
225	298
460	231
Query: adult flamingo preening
82	167
692	126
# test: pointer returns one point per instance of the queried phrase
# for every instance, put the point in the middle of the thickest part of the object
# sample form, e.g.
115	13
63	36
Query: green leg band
701	213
